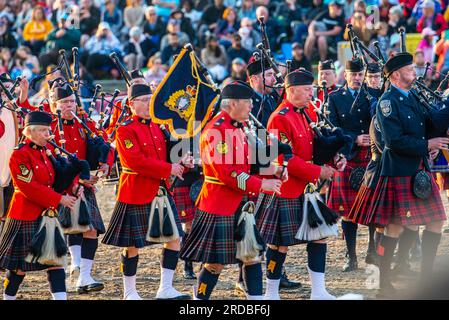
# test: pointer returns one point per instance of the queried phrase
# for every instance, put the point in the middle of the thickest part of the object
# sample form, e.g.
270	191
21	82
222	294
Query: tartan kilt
279	224
184	204
361	209
95	217
395	203
341	195
442	179
129	225
14	241
211	239
7	197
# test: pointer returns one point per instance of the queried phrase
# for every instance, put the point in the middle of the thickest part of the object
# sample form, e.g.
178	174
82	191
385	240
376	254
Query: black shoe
240	287
285	283
350	264
372	258
93	287
188	270
386	291
446	230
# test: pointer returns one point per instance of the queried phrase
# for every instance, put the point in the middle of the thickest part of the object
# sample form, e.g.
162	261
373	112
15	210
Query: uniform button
408	117
361	121
74	139
358	110
76	151
144	143
51	174
310	142
300	135
362	131
421	123
342	115
159	148
423	138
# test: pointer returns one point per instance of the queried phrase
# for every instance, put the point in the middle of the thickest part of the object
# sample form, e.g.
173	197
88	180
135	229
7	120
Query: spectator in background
185	24
238	71
90	17
325	31
360	27
36	30
289	11
97	50
156	70
25	64
237	51
190	12
6	62
174	26
395	20
153	26
419	63
113	16
431	19
171	49
250	37
23	17
248	10
138	49
300	28
7	39
215	58
227	26
382	37
273	29
418	11
64	37
384	10
442	52
426	44
211	14
299	59
60	8
165	7
133	16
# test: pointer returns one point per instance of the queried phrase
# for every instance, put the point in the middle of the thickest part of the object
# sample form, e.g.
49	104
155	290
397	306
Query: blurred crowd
147	34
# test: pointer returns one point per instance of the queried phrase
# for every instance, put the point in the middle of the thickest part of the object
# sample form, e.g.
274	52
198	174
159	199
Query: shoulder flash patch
19	146
219	121
284	111
385	107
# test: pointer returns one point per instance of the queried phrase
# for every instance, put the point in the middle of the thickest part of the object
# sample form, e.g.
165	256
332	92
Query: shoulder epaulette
20	145
219	121
127	122
284	111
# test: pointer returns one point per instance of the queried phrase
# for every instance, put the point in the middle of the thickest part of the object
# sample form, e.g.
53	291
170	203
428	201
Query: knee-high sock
371	242
129	270
206	284
169	260
74	243
253	281
350	231
316	254
11	285
56	279
406	241
430	242
240	271
386	252
275	261
377	238
88	250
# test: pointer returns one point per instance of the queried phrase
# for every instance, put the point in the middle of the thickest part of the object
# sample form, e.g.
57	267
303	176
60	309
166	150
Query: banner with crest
183	100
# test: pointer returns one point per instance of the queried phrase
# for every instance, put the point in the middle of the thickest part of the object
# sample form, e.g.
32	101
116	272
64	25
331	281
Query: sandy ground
106	269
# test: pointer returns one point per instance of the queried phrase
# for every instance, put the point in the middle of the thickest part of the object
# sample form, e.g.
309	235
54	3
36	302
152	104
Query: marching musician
226	167
278	220
33	175
350	110
82	247
373	84
408	195
326	72
142	145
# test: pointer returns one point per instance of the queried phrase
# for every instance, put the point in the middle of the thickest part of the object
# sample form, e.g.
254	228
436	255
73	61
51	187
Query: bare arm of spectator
331	33
171	5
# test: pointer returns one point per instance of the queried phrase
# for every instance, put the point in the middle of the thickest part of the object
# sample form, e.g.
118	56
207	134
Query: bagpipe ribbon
184	99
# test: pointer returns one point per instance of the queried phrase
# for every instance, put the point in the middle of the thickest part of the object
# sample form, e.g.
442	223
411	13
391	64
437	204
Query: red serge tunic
291	127
33	176
224	153
142	148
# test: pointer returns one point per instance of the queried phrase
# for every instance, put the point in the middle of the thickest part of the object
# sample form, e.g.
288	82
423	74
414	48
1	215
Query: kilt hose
341	195
363	205
279	223
395	203
14	242
184	204
129	225
8	192
211	239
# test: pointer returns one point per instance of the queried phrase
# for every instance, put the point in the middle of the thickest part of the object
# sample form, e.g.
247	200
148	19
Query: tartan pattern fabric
14	241
361	209
7	197
341	195
211	239
129	225
394	202
95	217
279	223
185	205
